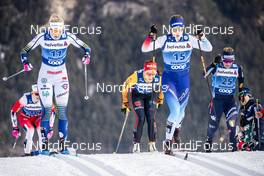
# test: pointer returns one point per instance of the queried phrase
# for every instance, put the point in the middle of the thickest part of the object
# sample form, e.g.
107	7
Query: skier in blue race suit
176	48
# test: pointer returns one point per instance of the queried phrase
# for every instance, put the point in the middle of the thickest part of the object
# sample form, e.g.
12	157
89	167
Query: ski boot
45	148
63	149
176	138
208	146
168	147
136	148
152	147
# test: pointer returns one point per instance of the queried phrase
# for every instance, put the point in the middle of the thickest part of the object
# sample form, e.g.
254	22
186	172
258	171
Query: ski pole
86	97
207	81
258	124
11	76
14	145
153	59
122	131
204	69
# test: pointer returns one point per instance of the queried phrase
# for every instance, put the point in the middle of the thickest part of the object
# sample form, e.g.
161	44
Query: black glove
125	108
199	33
153	31
217	59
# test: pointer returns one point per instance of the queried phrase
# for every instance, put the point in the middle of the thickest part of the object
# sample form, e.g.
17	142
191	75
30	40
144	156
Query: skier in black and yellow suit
146	97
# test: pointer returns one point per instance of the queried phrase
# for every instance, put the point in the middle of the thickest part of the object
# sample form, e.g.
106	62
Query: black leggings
144	107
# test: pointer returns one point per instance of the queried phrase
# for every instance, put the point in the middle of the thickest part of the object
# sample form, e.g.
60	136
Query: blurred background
117	29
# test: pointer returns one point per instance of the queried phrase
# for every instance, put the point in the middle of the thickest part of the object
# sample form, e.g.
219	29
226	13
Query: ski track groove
103	165
80	166
210	166
180	158
229	164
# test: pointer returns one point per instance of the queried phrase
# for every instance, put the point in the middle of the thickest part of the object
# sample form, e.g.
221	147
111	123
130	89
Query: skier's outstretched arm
79	43
30	46
212	67
129	83
204	43
148	44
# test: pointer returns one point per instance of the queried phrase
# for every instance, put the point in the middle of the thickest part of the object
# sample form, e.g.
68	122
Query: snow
143	164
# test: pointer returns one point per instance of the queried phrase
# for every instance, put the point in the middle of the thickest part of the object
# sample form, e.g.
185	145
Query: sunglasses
228	61
37	94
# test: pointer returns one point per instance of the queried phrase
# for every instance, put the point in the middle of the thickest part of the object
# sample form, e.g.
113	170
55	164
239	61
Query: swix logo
178	67
65	43
188	45
228	91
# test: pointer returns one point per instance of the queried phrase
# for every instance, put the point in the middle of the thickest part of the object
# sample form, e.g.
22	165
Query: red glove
28	67
15	132
86	59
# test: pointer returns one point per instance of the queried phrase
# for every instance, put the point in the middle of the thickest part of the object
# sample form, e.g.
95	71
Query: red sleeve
262	111
147	41
17	106
53	109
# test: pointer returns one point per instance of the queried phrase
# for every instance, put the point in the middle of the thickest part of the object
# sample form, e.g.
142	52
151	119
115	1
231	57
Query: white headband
56	25
232	57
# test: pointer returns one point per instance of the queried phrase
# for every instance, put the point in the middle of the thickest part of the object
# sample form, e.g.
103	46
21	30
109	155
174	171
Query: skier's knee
62	112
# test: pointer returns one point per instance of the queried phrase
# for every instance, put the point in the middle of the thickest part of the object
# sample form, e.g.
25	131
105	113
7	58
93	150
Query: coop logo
54	44
178	67
228	91
55	62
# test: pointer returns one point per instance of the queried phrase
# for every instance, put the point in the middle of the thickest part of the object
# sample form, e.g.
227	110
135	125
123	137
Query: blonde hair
228	50
55	18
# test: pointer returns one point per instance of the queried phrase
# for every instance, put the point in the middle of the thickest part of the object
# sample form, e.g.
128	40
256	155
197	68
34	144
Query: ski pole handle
11	76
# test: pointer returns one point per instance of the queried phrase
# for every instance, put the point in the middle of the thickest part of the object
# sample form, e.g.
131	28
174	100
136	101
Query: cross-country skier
176	49
225	76
53	76
248	138
29	118
146	96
